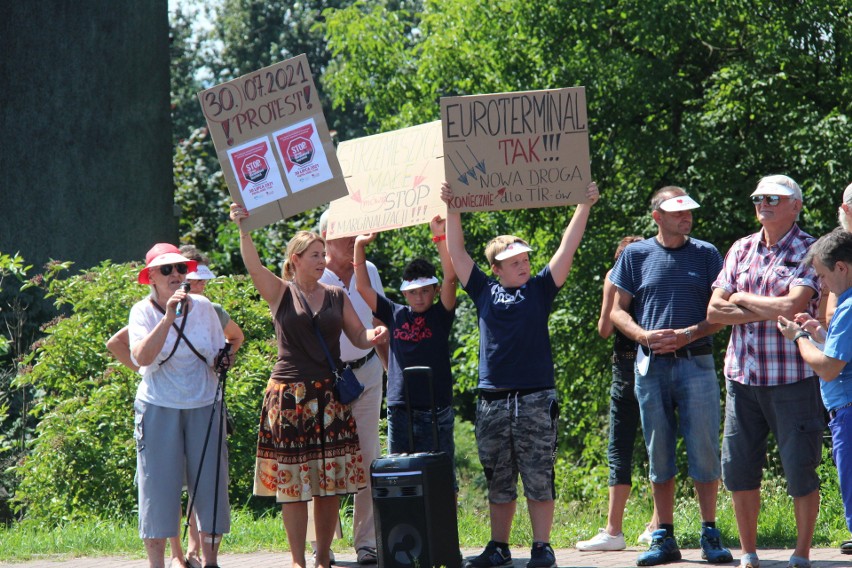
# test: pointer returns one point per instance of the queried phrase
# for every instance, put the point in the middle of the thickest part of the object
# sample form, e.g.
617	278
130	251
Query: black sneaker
493	555
542	556
663	549
711	547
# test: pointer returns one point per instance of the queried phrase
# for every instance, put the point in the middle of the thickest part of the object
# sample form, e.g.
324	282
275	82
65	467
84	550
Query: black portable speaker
414	504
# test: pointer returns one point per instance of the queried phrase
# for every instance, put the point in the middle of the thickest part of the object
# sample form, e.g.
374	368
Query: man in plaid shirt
769	386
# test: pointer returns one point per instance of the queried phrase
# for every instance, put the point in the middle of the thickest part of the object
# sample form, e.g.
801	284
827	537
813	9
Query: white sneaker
645	537
603	541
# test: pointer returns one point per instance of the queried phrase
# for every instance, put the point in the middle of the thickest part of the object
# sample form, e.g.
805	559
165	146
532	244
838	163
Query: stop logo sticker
300	151
255	168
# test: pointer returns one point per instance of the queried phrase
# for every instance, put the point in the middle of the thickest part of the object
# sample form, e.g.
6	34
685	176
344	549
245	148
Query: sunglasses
771	200
166	269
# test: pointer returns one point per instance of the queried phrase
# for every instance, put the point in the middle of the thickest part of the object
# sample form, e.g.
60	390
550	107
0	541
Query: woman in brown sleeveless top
307	444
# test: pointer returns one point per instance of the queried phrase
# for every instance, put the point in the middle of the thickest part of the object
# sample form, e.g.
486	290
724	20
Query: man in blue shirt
831	257
667	279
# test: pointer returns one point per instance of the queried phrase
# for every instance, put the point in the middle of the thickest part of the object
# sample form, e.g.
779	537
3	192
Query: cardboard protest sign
394	180
273	143
516	150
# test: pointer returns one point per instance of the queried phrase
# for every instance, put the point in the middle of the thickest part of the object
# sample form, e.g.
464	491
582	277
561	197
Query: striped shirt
758	354
670	287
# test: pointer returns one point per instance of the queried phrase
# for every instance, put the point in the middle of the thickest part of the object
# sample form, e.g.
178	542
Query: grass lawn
573	521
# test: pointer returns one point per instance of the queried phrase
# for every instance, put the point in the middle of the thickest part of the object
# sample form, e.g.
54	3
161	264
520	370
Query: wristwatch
800	334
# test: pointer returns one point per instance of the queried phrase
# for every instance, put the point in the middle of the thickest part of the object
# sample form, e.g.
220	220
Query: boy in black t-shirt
419	336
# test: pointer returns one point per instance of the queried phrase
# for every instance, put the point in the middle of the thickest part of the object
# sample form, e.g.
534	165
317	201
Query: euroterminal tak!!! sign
272	142
516	150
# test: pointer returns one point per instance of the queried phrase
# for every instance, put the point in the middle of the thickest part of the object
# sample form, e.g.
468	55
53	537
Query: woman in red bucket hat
175	340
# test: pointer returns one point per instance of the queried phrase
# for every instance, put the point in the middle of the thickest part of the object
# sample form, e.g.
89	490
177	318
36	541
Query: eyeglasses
771	200
166	269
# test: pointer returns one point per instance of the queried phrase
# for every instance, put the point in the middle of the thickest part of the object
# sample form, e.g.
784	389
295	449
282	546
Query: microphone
179	309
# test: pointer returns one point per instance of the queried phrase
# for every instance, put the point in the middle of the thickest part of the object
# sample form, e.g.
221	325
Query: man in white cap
667	280
844	212
770	387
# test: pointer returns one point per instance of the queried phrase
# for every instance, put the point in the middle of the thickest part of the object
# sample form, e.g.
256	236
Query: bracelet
245	235
800	334
359	263
439	238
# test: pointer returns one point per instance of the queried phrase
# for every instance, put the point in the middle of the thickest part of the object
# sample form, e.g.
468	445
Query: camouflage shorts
516	434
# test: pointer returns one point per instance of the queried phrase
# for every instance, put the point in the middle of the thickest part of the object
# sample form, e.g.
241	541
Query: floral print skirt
307	445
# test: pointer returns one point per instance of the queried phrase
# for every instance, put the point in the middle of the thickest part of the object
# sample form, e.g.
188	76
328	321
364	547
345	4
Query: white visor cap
679	203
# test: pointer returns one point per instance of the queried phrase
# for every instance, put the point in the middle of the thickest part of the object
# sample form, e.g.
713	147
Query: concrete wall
85	139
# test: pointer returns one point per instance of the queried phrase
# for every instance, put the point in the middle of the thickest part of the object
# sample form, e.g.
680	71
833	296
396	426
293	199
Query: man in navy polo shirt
667	279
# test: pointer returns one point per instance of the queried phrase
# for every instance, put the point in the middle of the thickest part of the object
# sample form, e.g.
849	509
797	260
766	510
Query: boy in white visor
419	336
517	411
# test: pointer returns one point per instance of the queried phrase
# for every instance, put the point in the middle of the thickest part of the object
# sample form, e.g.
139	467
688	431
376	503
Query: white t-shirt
184	381
349	352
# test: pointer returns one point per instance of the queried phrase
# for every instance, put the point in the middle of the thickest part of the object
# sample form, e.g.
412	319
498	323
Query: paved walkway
773	558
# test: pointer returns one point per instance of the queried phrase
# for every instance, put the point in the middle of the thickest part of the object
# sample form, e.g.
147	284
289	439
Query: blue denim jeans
841	441
623	422
681	394
398	442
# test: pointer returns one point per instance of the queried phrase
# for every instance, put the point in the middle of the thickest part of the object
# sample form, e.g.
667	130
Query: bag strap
180	335
307	307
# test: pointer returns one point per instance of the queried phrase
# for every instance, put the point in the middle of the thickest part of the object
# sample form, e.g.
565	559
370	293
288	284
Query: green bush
23	309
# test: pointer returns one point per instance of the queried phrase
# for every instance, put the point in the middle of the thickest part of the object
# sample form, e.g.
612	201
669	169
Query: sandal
367	555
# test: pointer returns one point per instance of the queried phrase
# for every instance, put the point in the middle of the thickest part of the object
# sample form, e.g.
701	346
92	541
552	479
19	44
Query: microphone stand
223	362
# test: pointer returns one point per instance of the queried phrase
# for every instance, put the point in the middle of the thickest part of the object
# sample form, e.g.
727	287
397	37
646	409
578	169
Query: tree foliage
708	96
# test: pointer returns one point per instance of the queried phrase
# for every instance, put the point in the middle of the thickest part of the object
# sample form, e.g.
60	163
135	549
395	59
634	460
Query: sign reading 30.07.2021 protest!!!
516	150
273	143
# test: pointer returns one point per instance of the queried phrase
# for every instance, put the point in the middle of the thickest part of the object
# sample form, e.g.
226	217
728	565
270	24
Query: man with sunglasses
667	281
769	386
